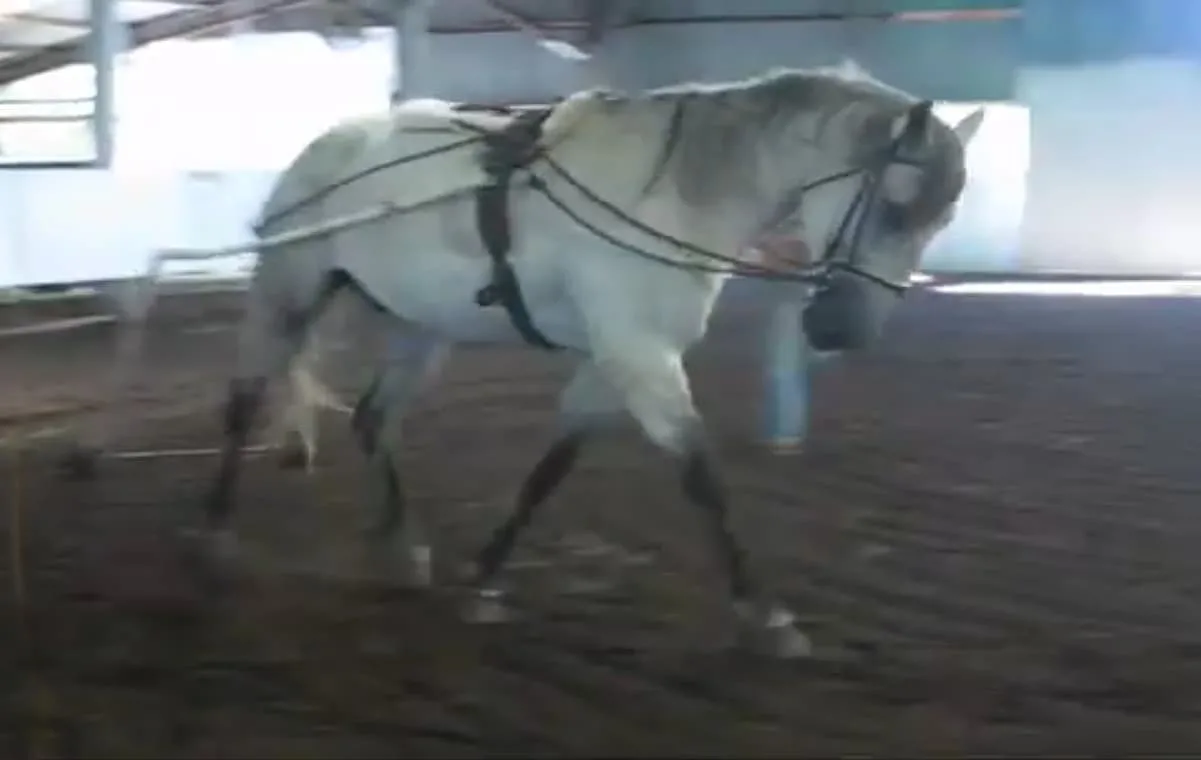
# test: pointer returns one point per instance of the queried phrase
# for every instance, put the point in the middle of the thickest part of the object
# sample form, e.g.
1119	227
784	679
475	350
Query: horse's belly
437	289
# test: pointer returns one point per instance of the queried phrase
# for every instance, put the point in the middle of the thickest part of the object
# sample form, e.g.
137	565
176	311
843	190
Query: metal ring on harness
505	152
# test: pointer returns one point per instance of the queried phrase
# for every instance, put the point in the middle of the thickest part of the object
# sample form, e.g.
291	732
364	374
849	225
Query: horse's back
405	157
317	167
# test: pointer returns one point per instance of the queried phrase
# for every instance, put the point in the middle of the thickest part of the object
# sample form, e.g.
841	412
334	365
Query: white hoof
407	566
214	554
218	546
486	607
774	633
421	567
785	446
223	547
786	643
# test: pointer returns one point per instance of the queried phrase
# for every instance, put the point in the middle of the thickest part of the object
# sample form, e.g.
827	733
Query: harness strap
505	152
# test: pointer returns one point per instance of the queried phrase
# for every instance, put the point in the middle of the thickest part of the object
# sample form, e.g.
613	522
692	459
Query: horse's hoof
774	634
218	546
212	555
393	561
294	457
486	607
784	643
785	446
421	567
222	547
81	463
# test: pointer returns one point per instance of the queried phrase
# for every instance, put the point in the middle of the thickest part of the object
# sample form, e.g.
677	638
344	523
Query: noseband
843	251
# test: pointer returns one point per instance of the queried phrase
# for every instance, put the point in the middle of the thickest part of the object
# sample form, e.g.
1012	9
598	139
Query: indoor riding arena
985	522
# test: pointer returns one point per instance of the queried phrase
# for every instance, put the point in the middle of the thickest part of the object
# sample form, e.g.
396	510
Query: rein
720	263
732	265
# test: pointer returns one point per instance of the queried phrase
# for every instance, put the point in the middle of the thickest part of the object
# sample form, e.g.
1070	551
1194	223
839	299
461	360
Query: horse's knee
589	399
245	396
656	393
678	434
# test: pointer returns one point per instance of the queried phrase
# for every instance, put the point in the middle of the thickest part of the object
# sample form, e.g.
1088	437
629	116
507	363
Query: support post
106	43
411	71
1112	89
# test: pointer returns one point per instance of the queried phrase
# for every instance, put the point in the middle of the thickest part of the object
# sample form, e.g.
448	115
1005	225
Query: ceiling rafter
194	20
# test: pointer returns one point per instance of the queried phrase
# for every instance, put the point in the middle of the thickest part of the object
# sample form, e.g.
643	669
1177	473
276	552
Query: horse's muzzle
841	315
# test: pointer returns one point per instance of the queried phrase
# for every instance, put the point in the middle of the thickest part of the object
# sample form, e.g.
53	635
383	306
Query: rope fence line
144	292
785	413
57	325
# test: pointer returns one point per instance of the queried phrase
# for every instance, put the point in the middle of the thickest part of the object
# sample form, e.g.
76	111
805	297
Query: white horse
628	214
295	423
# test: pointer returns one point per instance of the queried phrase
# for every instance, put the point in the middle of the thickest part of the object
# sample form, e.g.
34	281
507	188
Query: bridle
847	238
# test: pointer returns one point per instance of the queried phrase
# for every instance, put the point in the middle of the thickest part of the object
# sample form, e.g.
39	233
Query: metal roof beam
178	24
40	18
551	43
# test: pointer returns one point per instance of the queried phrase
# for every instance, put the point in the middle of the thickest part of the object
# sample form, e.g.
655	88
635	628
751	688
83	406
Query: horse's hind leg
273	332
413	359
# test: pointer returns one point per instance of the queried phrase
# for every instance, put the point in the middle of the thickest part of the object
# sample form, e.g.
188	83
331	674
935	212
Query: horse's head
876	233
875	178
862	174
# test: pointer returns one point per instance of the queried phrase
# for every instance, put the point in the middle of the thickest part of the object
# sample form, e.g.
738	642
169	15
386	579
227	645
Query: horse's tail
294	425
308	388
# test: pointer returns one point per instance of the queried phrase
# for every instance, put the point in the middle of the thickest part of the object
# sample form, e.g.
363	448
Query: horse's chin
847	313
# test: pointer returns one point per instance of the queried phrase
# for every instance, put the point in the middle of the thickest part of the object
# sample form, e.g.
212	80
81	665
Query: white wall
1115	161
986	233
66	226
178	116
59	226
249	101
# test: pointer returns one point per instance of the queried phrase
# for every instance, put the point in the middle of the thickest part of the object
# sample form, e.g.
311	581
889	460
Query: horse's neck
613	153
619	155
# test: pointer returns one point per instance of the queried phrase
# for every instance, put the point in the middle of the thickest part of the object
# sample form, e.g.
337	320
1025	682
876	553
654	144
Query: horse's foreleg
412	361
586	404
656	392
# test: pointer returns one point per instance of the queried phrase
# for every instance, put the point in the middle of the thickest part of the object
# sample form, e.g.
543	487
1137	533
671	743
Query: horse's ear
967	129
915	123
909	129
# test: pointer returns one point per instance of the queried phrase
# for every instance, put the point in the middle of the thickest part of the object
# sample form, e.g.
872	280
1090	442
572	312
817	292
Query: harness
517	146
505	152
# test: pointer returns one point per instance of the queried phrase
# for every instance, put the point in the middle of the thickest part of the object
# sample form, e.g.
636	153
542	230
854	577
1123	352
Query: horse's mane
432	113
717	129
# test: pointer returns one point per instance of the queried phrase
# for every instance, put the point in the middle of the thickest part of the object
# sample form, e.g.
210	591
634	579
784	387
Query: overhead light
563	49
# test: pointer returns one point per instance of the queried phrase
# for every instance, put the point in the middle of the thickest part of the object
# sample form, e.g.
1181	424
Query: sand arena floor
992	538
